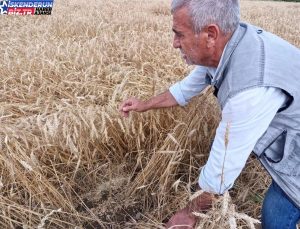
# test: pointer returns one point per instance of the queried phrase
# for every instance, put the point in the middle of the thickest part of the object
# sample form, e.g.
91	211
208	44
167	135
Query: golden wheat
67	158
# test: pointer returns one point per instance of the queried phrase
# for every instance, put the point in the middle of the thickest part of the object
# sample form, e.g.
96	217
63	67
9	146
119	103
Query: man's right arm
178	94
190	86
165	99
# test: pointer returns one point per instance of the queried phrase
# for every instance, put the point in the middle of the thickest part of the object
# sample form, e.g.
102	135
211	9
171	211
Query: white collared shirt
249	114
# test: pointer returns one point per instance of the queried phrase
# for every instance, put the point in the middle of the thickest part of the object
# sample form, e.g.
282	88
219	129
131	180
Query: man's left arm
246	116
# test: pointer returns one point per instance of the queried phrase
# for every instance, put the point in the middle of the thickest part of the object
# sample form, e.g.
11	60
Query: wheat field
68	159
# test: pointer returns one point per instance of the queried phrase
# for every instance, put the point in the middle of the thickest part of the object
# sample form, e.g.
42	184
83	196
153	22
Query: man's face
192	46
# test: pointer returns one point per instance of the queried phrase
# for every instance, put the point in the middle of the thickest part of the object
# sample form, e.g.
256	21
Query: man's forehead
181	18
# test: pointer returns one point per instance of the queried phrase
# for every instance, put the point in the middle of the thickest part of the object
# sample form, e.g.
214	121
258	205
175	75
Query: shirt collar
212	70
215	74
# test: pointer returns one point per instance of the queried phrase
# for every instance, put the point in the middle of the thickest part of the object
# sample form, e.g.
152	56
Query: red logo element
20	11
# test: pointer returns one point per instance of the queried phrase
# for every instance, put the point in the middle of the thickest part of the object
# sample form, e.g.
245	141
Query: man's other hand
185	219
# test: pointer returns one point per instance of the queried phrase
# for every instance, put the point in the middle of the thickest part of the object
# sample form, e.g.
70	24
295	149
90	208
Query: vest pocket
283	154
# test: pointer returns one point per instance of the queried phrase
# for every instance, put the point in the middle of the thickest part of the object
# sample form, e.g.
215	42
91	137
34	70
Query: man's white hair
224	13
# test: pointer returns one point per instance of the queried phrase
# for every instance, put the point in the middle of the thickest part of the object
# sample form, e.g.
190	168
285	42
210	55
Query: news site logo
23	7
3	7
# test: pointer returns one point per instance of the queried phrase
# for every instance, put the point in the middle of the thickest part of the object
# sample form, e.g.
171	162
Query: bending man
256	76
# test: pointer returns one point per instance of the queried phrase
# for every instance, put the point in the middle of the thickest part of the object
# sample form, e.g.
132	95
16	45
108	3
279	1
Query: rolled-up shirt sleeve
190	86
246	116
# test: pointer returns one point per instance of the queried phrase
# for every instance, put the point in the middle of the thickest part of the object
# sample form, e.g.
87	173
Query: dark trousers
278	211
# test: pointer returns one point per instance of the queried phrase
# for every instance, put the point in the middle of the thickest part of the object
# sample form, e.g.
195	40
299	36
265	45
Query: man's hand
184	219
165	99
132	104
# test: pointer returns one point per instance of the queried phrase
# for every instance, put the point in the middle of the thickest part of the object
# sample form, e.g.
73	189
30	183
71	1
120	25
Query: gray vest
256	58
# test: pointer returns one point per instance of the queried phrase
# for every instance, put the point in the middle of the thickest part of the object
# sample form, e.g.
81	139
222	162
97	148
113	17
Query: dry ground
67	159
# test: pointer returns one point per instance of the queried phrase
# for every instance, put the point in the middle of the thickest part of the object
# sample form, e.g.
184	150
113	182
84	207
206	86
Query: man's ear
213	33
